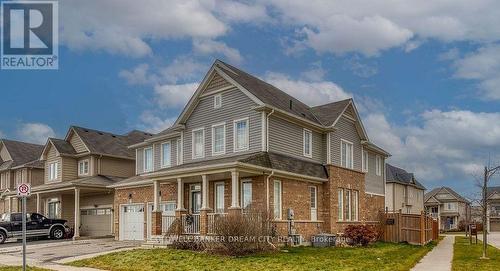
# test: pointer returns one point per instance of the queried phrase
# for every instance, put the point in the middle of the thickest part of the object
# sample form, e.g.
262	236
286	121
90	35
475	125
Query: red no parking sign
23	190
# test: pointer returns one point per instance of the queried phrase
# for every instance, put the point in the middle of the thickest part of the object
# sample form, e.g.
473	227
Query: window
340	203
348	205
241	135
53	171
277	199
313	193
378	165
148	159
83	167
195	198
219	197
178	152
307	143
199	143
54	208
166	153
217	101
450	206
219	139
246	194
355	207
365	161
346	154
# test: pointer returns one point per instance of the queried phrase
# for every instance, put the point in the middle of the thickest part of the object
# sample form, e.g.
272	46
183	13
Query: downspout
267	131
267	190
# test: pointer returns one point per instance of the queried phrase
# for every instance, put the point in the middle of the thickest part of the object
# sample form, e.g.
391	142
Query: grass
17	268
467	256
379	256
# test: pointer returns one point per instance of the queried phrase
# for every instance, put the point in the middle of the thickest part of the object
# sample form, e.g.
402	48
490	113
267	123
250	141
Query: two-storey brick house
403	192
18	164
243	143
448	207
78	171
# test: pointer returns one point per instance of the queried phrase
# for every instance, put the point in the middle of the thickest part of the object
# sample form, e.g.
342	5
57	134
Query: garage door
132	222
168	208
96	222
495	225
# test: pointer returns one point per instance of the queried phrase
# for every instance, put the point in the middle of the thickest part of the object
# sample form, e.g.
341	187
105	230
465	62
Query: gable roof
436	191
20	152
62	146
399	175
327	114
492	190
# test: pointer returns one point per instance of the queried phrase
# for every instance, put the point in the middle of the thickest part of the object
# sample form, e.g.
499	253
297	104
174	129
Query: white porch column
156	197
38	202
77	214
9	200
180	195
204	192
235	189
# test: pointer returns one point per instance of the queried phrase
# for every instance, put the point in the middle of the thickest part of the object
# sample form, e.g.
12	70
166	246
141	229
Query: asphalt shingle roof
492	189
20	152
62	146
435	191
328	113
399	175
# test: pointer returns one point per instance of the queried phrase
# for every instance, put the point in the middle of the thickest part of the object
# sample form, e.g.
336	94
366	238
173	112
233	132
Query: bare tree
489	171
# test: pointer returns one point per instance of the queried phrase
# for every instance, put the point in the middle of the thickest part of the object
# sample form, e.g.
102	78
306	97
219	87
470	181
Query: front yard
379	256
466	256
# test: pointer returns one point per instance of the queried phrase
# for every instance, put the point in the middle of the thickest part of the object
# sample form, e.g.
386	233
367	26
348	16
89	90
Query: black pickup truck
37	225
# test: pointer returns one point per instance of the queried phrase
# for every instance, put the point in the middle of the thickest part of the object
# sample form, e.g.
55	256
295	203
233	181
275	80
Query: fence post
399	225
422	228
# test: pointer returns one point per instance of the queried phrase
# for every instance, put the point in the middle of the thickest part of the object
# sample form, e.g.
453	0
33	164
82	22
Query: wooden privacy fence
411	228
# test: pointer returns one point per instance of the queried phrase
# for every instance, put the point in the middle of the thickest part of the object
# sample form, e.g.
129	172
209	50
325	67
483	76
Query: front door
195	203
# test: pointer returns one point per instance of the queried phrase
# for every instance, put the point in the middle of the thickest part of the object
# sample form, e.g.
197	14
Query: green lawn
380	256
466	256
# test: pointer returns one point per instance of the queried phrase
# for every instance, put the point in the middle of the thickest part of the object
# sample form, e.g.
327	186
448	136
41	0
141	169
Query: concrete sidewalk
438	259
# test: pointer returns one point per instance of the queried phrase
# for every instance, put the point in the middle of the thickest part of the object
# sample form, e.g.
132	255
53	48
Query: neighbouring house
242	143
493	211
18	164
402	191
448	207
78	171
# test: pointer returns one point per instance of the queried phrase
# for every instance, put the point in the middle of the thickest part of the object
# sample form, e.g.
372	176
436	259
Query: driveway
493	239
49	251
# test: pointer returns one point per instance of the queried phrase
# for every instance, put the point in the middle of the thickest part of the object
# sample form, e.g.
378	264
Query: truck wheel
3	237
57	233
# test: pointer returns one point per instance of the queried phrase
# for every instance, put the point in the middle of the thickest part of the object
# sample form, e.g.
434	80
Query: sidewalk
439	259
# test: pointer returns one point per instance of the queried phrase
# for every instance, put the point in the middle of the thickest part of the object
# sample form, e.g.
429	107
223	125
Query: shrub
361	234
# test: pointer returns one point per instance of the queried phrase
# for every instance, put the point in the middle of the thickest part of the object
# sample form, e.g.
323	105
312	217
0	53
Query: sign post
24	191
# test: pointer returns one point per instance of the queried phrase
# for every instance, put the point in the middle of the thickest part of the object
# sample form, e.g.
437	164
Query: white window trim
215	196
215	101
178	151
340	203
356	210
304	143
162	162
378	165
352	153
280	216
193	143
144	169
248	135
349	209
80	163
241	191
365	164
223	124
315	201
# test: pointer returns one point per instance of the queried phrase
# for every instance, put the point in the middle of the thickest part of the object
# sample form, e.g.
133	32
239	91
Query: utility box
291	215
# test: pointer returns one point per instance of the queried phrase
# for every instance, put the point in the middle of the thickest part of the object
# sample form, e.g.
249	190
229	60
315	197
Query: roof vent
291	104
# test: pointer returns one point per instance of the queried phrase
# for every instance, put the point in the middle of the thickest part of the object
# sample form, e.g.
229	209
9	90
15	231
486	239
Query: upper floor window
83	167
450	206
307	143
199	143
166	152
217	101
346	154
53	171
365	161
219	139
148	159
378	165
241	135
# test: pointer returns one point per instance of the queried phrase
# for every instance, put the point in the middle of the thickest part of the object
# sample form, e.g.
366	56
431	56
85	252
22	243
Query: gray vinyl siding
288	138
139	161
346	129
235	105
158	153
374	183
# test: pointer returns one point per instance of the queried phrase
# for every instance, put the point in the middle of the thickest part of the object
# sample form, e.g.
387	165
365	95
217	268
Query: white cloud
311	93
241	12
211	47
484	67
441	144
359	68
2	135
153	123
35	132
174	96
181	69
139	75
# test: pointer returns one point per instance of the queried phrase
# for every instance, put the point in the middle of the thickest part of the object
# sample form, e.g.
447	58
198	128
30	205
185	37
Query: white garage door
168	208
96	222
132	222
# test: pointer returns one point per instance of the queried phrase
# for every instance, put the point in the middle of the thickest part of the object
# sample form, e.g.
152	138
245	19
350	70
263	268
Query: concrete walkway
439	258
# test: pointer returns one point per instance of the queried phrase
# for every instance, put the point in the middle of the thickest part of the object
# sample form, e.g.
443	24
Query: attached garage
495	224
132	222
96	222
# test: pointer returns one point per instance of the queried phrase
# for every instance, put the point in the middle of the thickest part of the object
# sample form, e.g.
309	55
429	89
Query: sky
425	75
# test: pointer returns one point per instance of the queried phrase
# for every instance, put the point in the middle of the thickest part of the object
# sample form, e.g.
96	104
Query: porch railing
212	218
166	222
191	223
